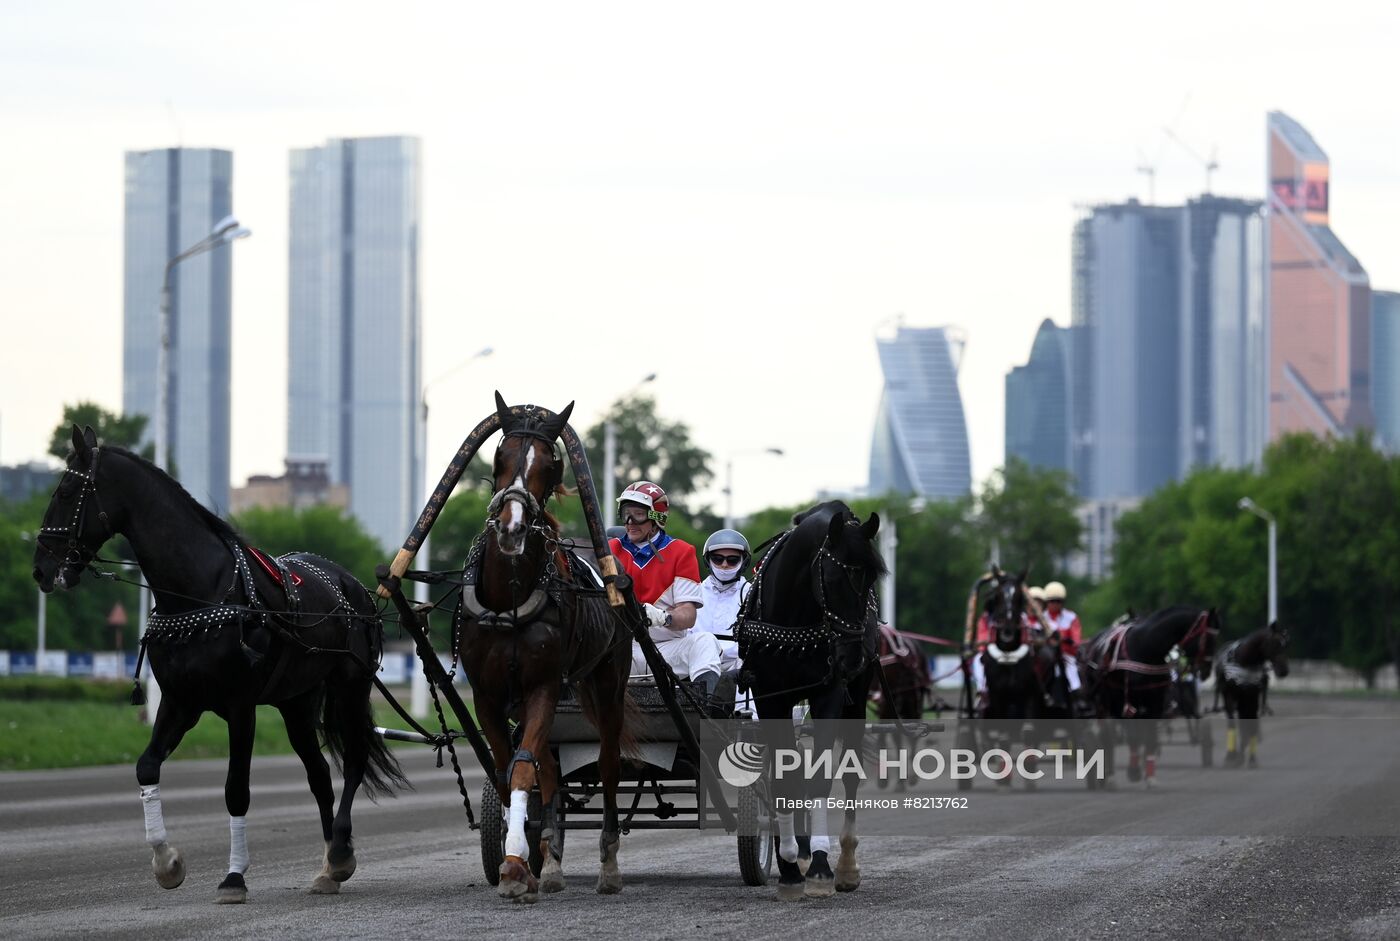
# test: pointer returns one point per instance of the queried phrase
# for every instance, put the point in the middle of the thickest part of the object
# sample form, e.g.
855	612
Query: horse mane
1176	610
218	524
856	549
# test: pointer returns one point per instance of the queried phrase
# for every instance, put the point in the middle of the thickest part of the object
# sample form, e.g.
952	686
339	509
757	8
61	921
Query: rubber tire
493	833
756	847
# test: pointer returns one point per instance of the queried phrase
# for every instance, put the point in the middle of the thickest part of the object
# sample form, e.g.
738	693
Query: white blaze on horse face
513	517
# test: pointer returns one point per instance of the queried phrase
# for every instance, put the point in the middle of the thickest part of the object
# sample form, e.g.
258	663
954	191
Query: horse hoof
168	866
323	885
1134	773
609	883
517	881
342	870
1152	784
552	881
819	887
1253	762
792	891
232	891
847	882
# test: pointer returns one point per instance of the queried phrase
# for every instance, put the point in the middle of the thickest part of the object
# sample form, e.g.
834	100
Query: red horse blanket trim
271	569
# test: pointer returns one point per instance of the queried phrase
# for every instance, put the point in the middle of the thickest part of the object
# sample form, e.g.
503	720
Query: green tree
650	447
939	556
121	430
1030	514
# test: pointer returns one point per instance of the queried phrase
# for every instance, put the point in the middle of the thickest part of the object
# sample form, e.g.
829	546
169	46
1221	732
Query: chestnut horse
531	618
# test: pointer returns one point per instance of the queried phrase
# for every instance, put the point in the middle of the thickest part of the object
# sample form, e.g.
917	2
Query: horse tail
347	726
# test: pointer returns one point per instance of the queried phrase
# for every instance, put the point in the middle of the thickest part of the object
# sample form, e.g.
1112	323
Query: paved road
1306	847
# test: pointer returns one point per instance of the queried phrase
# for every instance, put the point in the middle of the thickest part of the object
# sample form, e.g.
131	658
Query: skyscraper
1125	364
1319	296
1037	402
919	445
354	377
1385	367
174	197
1223	381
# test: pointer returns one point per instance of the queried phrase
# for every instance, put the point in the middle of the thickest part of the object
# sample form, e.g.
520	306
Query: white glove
656	617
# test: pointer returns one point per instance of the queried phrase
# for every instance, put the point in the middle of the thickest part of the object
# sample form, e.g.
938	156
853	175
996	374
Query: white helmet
727	539
1036	592
1054	591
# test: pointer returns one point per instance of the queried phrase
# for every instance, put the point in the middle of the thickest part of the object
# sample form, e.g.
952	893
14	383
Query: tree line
1335	500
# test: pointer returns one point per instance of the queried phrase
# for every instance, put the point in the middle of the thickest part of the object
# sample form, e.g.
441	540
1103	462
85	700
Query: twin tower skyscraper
354	357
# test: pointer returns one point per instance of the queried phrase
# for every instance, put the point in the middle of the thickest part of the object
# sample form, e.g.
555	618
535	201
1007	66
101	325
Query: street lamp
418	703
889	550
729	480
225	230
42	647
1249	506
610	453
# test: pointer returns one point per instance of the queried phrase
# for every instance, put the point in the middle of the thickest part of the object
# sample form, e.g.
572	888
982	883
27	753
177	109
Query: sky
735	196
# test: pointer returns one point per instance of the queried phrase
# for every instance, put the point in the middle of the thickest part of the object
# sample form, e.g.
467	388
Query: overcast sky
733	195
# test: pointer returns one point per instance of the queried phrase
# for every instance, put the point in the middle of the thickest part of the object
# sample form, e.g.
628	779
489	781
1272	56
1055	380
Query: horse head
1276	648
528	468
75	525
1198	644
1005	607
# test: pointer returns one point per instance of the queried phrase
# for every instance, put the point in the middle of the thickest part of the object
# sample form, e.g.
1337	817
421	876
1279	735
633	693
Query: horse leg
610	719
172	722
1149	748
775	714
518	883
242	722
847	869
1232	731
551	871
300	718
1249	725
821	881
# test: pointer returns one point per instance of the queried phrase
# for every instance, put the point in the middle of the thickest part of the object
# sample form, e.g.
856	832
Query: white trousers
690	654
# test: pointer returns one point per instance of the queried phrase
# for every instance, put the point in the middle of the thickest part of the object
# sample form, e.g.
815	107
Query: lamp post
729	480
1249	506
41	646
418	700
889	545
225	230
610	452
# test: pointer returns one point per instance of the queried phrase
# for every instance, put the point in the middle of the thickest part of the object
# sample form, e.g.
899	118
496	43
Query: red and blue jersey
664	571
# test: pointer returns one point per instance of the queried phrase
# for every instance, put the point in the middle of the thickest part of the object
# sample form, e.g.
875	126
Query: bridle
1200	631
838	625
76	554
534	507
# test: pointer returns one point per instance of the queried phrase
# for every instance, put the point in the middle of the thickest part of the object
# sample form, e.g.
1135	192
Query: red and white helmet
649	495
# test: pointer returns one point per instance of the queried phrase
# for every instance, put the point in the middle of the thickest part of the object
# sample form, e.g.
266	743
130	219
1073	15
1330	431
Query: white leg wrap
787	838
155	820
238	844
1072	673
516	844
821	842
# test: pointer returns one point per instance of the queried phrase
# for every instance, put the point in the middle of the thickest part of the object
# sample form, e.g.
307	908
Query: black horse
809	631
1013	669
231	629
1241	676
1127	677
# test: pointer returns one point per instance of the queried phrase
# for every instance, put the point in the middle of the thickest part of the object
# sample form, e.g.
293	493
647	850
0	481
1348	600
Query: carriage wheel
493	833
755	841
1207	744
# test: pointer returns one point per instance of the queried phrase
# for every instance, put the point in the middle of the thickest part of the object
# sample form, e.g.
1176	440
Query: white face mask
725	575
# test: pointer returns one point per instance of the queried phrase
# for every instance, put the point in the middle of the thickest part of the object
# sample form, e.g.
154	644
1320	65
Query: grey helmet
728	539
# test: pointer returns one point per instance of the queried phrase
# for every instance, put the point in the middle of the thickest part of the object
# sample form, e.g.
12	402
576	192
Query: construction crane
1210	165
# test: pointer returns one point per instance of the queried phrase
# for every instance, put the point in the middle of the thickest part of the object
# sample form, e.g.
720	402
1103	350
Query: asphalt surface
1307	846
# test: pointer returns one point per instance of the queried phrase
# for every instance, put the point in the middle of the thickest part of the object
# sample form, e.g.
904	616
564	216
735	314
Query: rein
72	533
